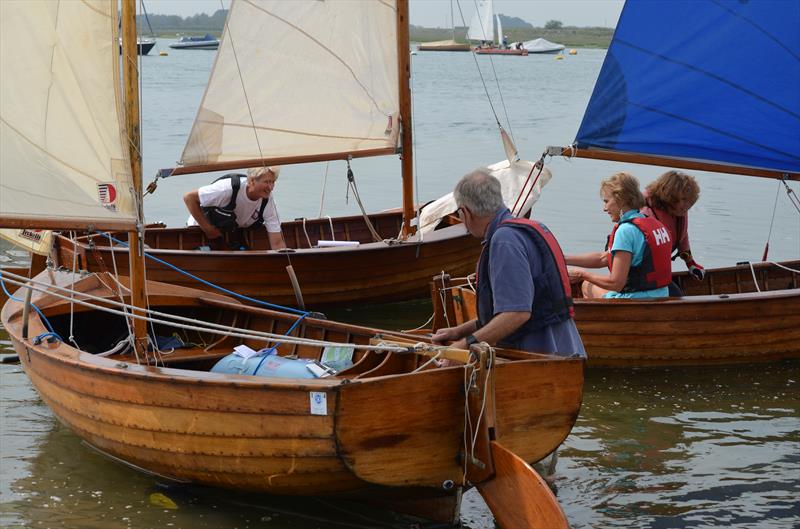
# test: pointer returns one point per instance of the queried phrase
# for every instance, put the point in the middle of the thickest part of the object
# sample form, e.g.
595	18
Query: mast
404	80
131	84
452	21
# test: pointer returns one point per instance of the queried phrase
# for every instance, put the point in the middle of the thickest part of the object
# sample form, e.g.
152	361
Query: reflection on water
703	447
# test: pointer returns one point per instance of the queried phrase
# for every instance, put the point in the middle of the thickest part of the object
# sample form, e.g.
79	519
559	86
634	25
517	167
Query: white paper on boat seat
244	351
322	243
512	178
64	156
319	77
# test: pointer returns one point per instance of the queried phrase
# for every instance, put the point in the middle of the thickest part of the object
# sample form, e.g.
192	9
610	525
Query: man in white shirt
222	206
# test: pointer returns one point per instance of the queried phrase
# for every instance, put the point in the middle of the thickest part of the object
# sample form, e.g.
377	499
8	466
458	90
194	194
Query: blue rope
212	285
267	354
38	339
41	314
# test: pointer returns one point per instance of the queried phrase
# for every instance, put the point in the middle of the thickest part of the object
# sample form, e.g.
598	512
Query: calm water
658	448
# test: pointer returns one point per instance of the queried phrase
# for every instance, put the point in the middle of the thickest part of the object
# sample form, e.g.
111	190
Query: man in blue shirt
523	289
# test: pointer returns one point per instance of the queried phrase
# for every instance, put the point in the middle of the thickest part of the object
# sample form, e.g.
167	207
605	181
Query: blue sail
709	80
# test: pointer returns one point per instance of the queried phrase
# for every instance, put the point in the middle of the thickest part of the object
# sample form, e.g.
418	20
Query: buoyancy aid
676	225
655	270
224	217
552	292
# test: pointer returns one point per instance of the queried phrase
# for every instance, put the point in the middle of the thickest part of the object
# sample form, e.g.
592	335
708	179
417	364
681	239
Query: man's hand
211	231
442	336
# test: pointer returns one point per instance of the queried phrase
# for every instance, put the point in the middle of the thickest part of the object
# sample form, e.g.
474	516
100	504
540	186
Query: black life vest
552	301
655	270
224	217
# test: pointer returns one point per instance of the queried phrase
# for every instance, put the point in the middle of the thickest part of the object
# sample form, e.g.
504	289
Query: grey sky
436	13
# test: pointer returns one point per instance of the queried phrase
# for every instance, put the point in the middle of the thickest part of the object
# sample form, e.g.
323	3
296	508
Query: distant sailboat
482	30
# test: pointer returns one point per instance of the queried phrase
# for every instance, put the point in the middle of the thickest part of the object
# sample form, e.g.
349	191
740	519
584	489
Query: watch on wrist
471	340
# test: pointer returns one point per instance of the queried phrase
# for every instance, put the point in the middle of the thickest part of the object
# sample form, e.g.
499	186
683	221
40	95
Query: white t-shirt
218	194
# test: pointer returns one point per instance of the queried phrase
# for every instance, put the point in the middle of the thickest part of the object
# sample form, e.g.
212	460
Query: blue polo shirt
514	262
629	238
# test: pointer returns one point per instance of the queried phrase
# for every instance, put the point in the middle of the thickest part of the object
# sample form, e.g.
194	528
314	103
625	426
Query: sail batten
303	78
712	80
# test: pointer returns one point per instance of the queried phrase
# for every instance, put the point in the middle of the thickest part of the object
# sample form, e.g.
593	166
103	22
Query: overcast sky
436	13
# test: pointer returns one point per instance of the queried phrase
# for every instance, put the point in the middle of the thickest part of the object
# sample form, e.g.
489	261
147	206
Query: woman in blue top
638	253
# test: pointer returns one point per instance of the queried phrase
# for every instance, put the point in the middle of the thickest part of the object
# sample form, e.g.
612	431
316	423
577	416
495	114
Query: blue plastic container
269	366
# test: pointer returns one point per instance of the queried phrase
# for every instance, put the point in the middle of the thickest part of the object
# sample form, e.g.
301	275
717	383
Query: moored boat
500	51
541	45
143	45
196	42
443	45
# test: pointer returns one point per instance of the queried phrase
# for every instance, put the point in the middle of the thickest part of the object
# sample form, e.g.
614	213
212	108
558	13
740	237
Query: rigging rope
196	325
351	183
324	186
212	285
483	81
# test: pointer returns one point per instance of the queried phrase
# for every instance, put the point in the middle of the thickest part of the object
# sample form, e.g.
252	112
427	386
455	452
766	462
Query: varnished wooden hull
387	436
722	319
371	272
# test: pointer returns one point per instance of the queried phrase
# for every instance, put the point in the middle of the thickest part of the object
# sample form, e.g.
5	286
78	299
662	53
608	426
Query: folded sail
481	27
710	80
300	78
62	160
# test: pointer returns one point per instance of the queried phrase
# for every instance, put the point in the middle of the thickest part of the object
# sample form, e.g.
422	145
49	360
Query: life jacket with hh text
655	270
552	302
224	217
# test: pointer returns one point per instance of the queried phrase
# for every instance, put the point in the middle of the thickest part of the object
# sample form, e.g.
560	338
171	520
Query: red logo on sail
108	195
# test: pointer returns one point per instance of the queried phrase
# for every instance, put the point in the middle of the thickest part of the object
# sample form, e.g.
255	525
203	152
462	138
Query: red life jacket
555	281
655	270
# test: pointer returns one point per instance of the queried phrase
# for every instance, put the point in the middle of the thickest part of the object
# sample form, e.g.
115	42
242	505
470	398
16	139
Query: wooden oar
518	497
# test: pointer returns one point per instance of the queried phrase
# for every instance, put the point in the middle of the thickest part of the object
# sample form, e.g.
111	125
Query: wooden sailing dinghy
663	98
296	82
388	432
391	426
723	319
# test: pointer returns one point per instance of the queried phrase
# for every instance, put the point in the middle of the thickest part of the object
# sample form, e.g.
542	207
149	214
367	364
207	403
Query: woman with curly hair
668	199
637	253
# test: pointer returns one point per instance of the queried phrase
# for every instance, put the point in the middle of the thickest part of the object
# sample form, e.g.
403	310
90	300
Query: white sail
300	78
520	192
481	27
63	159
499	31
